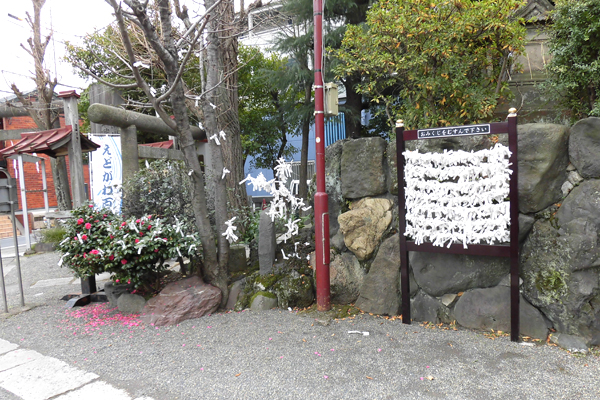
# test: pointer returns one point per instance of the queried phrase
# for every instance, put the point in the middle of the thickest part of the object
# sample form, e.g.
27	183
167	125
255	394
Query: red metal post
321	206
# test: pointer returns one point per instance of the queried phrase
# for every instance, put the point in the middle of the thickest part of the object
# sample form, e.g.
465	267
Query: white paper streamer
457	196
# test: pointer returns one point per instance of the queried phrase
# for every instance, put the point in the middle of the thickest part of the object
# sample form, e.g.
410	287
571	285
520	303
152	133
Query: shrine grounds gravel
279	354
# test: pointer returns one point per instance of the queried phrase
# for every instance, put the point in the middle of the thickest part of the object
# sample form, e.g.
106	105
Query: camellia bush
134	251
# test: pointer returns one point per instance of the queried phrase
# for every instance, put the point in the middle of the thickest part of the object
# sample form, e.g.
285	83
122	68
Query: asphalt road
279	354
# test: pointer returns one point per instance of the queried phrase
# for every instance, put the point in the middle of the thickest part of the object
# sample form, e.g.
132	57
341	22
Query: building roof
53	143
162	145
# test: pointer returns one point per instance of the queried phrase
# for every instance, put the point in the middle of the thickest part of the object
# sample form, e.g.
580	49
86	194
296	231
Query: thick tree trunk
217	274
227	107
354	107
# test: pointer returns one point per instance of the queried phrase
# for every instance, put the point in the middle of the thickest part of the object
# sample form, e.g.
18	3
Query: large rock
392	171
266	243
543	159
363	168
490	309
582	202
429	309
364	225
525	225
294	290
263	301
131	303
567	294
346	277
234	293
181	300
438	274
380	291
581	238
584	147
333	183
114	290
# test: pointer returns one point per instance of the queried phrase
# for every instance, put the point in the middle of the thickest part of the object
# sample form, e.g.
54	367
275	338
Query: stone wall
559	197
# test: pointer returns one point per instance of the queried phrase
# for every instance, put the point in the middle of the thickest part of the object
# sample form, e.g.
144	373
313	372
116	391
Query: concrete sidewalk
279	354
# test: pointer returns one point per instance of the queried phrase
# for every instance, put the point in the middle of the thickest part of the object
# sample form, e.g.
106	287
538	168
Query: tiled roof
53	142
163	145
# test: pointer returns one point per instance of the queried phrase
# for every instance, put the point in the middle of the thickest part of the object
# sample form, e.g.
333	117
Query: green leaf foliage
574	70
434	63
265	109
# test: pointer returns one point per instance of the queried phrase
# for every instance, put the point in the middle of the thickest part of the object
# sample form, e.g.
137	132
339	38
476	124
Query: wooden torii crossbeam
503	250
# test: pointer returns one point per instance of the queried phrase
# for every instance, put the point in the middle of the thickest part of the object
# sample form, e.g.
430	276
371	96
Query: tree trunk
354	107
216	274
227	107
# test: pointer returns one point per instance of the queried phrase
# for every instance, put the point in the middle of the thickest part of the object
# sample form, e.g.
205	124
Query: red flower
83	237
94	251
123	261
137	240
103	215
123	223
116	280
149	226
141	233
91	206
112	237
80	221
111	257
156	250
84	255
88	226
137	221
97	220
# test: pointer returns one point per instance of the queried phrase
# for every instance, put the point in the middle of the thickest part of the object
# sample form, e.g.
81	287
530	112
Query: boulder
490	309
581	238
131	303
438	274
262	301
185	299
571	343
363	168
114	290
582	202
294	290
392	170
525	225
333	183
584	147
428	309
346	277
234	293
237	258
567	294
266	243
364	225
543	159
380	291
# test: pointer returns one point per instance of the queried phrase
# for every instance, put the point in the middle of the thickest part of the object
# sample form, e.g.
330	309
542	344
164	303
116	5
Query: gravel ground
282	355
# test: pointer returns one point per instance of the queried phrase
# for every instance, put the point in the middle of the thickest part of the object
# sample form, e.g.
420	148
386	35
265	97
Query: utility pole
321	206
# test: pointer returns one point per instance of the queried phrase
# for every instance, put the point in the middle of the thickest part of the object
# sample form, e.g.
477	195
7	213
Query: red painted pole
321	206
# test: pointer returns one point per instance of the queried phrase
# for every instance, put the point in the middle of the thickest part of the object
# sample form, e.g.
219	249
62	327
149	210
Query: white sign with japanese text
106	172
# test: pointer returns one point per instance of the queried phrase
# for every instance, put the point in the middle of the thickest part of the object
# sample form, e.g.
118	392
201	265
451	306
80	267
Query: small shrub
52	235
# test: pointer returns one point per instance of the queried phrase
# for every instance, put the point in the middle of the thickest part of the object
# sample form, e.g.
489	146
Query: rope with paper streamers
458	196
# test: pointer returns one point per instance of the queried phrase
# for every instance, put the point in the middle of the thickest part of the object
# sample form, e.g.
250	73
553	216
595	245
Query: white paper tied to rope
458	196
